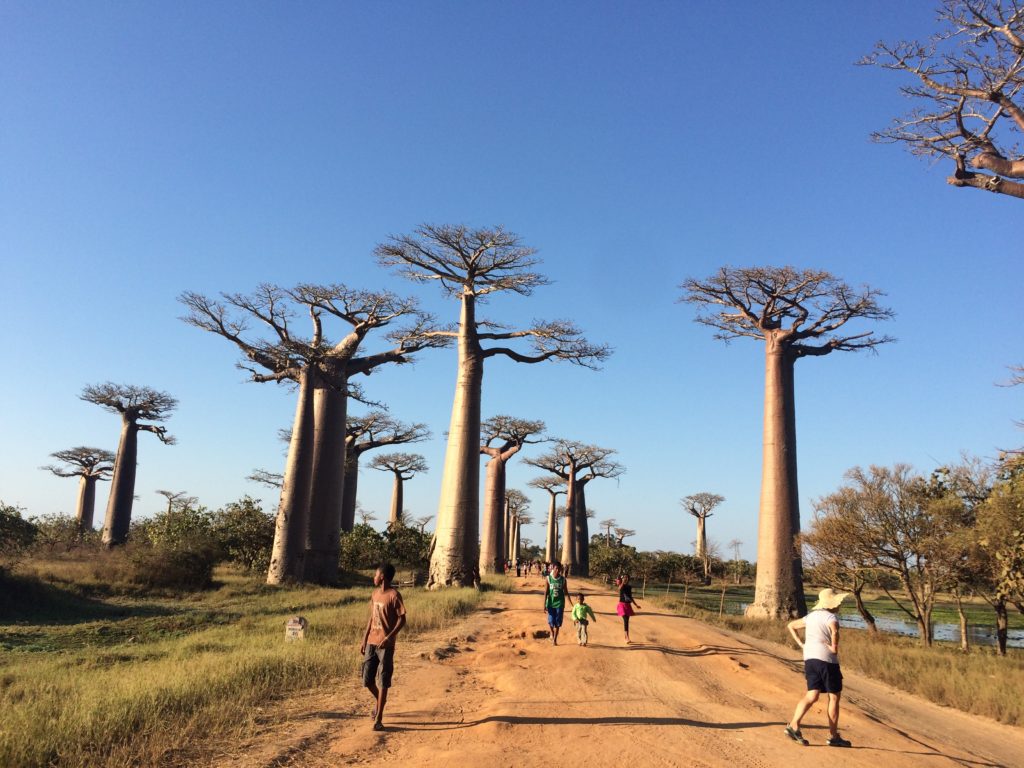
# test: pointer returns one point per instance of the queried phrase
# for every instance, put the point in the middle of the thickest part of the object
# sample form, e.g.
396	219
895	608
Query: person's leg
625	626
387	668
370	665
833	714
584	633
801	708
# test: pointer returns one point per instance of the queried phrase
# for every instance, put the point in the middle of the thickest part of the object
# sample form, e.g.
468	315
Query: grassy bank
980	682
136	680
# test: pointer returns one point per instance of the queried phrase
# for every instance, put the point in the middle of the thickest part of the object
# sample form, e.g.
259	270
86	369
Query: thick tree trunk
1002	626
778	591
865	614
396	502
323	536
349	490
507	536
551	545
491	534
702	548
86	503
582	531
569	531
288	554
122	487
924	626
516	540
456	554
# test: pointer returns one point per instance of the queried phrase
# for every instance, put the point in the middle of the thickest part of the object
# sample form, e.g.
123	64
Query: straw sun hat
829	599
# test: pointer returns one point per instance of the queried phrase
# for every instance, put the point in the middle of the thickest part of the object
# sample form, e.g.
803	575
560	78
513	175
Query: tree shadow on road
440	725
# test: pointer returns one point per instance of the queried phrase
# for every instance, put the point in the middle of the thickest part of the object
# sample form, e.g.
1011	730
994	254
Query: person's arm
834	645
793	626
547	590
366	634
632	600
390	636
593	616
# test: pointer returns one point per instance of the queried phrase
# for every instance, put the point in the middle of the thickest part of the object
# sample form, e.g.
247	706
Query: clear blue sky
150	148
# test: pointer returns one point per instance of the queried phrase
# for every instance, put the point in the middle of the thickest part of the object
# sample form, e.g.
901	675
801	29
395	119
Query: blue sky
148	149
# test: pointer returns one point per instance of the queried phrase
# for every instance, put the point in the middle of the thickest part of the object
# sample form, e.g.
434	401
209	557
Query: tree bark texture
517	528
397	498
569	532
323	536
582	530
702	547
122	486
865	614
551	546
492	536
506	527
778	589
288	554
86	502
1002	625
456	554
349	490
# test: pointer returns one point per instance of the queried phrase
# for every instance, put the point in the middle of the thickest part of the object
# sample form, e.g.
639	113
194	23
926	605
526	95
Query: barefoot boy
821	664
387	617
580	611
556	590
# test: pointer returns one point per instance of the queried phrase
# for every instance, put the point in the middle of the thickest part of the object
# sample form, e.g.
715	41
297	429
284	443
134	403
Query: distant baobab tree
735	545
516	505
89	465
554	486
501	437
403	466
136	406
422	522
608	525
700	505
796	313
177	500
369	432
967	84
306	541
576	464
470	265
622	533
269	479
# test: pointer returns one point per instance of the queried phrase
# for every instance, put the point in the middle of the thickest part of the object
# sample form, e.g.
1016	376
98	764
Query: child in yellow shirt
580	611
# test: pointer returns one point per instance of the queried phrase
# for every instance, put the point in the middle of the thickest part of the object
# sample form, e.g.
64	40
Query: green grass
980	682
134	680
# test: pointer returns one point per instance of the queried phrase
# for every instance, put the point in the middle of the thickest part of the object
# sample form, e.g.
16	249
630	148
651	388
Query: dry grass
980	682
132	681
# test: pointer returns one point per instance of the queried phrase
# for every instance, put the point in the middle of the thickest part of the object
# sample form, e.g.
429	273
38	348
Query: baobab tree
576	464
622	533
369	432
797	314
470	265
608	525
308	527
967	84
735	545
700	505
516	506
404	466
501	437
267	478
555	486
137	406
89	465
177	500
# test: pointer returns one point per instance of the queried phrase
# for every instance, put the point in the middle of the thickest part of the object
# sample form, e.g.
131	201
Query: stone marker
295	628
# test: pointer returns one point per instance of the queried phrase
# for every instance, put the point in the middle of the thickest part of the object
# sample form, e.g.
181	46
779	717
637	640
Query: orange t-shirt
386	607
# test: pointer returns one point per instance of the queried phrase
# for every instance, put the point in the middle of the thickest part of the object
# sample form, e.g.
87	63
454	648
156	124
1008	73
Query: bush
187	565
16	535
60	533
362	547
407	546
244	533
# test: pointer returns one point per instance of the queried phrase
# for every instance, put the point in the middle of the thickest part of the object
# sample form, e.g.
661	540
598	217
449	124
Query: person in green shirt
556	590
580	611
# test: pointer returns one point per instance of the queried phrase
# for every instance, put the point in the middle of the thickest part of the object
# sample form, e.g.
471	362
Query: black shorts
378	663
823	676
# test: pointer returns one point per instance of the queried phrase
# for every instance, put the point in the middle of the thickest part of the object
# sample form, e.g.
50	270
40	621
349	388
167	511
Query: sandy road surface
487	693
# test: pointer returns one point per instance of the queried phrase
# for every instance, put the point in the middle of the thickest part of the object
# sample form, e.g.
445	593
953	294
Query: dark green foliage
407	546
244	534
609	562
362	547
16	535
174	550
60	533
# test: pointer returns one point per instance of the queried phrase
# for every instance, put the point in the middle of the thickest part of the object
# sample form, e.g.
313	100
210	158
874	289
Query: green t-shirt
580	611
556	592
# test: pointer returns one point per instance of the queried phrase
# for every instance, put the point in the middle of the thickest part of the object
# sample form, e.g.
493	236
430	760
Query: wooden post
721	603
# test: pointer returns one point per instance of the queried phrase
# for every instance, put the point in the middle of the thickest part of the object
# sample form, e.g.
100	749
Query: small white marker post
295	629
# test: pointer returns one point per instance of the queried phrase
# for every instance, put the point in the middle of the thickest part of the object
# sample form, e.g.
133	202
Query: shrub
187	565
362	547
16	535
244	533
60	533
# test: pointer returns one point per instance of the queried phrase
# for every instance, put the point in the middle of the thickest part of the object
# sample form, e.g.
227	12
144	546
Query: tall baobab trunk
492	536
702	547
396	501
326	483
122	486
86	502
505	542
517	527
288	554
456	554
778	591
349	489
569	532
551	546
582	530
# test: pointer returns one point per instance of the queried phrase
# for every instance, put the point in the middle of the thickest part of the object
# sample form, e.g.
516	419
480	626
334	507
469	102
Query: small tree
403	466
244	533
89	465
137	406
967	83
797	314
700	505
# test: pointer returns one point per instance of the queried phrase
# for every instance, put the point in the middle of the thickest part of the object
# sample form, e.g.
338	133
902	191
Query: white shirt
819	626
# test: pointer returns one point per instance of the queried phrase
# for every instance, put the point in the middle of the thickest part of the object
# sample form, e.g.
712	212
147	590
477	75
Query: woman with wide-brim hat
821	664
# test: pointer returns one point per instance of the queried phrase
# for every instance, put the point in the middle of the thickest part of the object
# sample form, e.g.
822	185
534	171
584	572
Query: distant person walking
821	664
387	617
556	591
580	612
626	603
